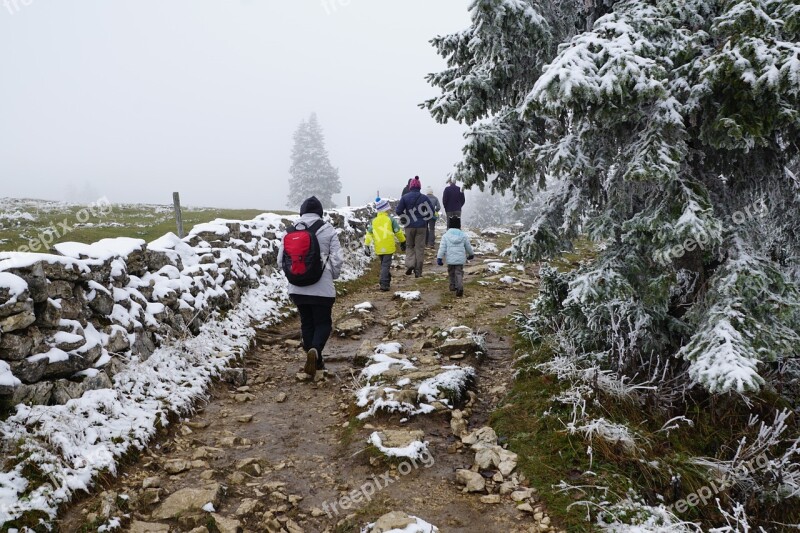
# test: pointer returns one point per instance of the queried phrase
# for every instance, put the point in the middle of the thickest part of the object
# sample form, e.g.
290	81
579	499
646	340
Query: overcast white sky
132	99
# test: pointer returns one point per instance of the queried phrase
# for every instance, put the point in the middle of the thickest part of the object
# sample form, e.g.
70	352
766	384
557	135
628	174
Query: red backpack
302	258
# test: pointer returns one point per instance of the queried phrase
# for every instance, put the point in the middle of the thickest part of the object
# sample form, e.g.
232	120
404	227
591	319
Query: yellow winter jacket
382	231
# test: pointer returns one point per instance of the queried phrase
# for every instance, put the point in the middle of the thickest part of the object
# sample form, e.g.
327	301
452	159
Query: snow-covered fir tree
670	127
311	172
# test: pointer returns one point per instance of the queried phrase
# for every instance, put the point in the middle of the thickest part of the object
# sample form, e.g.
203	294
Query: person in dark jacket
315	302
415	210
406	188
431	238
453	199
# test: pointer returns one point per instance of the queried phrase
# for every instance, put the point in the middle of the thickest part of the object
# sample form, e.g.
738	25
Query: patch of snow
54	355
453	380
62	337
7	378
485	247
420	526
383	363
364	307
494	267
18	215
409	295
15	285
389	348
415	450
9	260
211	227
103	249
113	523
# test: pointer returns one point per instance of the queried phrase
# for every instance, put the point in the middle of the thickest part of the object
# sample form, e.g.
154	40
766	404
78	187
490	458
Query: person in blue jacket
455	249
415	210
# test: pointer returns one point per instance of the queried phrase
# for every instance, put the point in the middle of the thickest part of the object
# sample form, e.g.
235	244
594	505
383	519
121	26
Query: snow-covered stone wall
72	319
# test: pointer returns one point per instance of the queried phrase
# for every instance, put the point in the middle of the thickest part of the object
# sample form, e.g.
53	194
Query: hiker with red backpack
311	258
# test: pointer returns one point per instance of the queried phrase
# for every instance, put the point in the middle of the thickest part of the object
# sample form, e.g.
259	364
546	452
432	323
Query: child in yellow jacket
382	232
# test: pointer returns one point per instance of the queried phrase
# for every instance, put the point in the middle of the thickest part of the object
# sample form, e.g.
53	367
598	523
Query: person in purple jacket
453	199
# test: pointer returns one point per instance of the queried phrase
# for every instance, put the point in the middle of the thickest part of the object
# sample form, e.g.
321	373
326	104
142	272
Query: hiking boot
320	364
384	289
409	271
460	293
452	289
311	362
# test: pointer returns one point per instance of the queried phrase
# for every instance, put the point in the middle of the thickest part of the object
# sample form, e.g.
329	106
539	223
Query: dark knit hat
454	223
311	205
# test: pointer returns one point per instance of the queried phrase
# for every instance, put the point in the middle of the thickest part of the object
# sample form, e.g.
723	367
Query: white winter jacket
331	251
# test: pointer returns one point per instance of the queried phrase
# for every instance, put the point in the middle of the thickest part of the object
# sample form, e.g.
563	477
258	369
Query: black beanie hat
311	205
454	223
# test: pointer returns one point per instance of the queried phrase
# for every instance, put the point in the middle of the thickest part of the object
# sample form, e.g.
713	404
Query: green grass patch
36	521
548	455
347	434
378	506
48	223
583	251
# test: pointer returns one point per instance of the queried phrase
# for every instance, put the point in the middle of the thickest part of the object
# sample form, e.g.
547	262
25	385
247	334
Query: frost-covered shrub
666	130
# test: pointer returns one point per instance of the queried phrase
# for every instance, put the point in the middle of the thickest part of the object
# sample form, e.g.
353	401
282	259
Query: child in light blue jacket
455	249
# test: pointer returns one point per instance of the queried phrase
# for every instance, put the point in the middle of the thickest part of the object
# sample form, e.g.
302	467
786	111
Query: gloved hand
368	251
439	261
403	246
471	257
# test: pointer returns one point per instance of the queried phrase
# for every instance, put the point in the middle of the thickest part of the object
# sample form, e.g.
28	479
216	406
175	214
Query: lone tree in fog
311	170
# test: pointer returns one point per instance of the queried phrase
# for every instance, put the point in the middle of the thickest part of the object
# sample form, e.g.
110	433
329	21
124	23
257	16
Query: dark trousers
316	322
386	272
431	239
456	273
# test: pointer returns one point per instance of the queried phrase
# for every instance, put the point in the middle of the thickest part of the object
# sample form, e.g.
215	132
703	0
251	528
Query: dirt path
278	454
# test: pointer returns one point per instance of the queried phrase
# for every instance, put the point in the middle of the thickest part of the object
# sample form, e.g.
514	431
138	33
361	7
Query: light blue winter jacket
455	247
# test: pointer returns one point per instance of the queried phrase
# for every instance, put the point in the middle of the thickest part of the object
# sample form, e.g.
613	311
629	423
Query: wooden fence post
176	200
348	201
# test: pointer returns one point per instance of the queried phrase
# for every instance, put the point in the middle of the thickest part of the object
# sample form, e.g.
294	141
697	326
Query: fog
134	99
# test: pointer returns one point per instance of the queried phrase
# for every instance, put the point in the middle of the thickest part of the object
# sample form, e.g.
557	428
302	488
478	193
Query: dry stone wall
71	319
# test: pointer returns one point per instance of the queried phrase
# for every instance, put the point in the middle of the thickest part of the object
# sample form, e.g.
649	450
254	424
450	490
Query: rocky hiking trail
397	424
